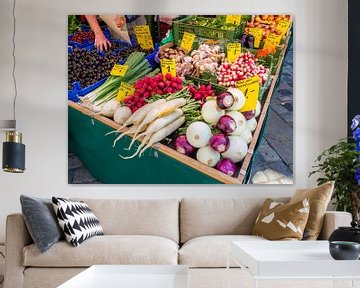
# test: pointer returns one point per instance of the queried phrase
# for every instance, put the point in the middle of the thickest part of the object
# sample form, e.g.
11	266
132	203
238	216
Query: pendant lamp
13	158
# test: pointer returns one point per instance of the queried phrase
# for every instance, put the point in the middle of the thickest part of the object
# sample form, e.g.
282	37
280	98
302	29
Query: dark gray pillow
41	221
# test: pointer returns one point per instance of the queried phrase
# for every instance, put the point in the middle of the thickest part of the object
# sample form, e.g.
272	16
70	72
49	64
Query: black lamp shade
13	157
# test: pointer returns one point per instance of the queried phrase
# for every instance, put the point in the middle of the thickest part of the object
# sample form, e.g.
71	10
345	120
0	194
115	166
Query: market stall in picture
179	99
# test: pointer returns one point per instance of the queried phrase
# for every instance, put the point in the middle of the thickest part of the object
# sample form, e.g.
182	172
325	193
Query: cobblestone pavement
275	152
273	160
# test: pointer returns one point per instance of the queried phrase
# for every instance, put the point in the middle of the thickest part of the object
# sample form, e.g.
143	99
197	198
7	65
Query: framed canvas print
180	99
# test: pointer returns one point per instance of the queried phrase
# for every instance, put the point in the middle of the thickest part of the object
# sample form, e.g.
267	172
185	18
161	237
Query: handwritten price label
143	37
233	51
233	19
283	26
257	33
187	41
272	41
125	90
168	66
119	70
250	87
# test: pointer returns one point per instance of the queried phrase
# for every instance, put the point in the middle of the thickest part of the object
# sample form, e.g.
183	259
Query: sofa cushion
319	198
107	249
41	221
201	217
77	220
211	251
157	217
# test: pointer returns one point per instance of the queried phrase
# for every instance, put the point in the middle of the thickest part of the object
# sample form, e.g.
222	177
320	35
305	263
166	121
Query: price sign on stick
250	87
233	19
187	41
272	41
233	51
143	37
168	66
257	33
119	70
283	26
125	90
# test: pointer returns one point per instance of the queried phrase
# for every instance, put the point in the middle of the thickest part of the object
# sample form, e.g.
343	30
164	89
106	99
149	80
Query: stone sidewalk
273	160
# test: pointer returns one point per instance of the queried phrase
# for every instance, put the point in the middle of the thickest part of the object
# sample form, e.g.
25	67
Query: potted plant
341	163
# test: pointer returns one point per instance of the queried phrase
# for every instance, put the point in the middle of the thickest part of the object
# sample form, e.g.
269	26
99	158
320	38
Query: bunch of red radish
202	92
149	86
244	67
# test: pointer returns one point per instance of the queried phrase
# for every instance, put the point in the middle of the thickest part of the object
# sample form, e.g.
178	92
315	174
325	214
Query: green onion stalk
138	67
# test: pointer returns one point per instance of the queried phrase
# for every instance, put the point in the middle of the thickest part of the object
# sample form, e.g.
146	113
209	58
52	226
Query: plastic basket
87	42
181	26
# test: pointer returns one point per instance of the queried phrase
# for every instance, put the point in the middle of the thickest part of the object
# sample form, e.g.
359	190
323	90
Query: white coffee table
292	260
131	276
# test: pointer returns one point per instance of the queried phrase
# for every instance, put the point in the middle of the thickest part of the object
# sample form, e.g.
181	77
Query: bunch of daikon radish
155	121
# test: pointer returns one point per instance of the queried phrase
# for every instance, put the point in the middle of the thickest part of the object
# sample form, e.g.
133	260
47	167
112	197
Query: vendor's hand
101	42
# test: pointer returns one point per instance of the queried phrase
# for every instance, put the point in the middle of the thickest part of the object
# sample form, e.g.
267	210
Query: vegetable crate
181	26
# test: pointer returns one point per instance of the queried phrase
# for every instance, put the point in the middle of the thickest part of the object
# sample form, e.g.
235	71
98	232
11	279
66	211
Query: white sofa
194	232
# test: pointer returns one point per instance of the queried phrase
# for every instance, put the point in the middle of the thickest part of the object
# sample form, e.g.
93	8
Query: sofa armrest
17	237
333	220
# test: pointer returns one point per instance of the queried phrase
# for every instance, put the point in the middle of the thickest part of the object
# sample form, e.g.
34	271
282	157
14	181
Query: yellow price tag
257	33
233	51
283	26
233	19
187	41
250	87
272	41
125	90
143	37
168	66
119	70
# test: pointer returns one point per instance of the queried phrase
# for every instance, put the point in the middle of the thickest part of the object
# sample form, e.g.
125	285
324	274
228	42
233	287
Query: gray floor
275	151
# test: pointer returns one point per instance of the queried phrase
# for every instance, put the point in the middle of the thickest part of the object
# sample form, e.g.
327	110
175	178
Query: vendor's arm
101	42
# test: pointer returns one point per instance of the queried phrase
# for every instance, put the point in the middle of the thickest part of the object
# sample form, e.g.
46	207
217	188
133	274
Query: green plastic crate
181	26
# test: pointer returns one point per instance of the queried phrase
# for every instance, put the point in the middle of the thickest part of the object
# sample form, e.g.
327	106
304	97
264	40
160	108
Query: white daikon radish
238	97
109	108
237	149
211	112
240	121
208	156
122	114
198	134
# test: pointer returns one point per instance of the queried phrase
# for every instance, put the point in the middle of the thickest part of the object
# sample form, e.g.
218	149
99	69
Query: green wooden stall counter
161	165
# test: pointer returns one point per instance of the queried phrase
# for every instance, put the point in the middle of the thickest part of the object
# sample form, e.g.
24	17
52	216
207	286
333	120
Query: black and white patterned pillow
77	220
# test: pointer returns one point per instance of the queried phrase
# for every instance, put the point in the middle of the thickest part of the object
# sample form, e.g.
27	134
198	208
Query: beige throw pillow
319	198
279	221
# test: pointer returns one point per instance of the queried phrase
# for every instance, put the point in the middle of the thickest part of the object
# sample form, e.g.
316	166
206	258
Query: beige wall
320	91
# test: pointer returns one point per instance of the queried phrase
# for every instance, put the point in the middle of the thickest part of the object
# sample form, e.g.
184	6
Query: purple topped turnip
226	166
225	100
219	142
226	124
183	146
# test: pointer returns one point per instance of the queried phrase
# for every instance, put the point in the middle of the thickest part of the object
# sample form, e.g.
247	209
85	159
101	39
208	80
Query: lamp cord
14	61
2	280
